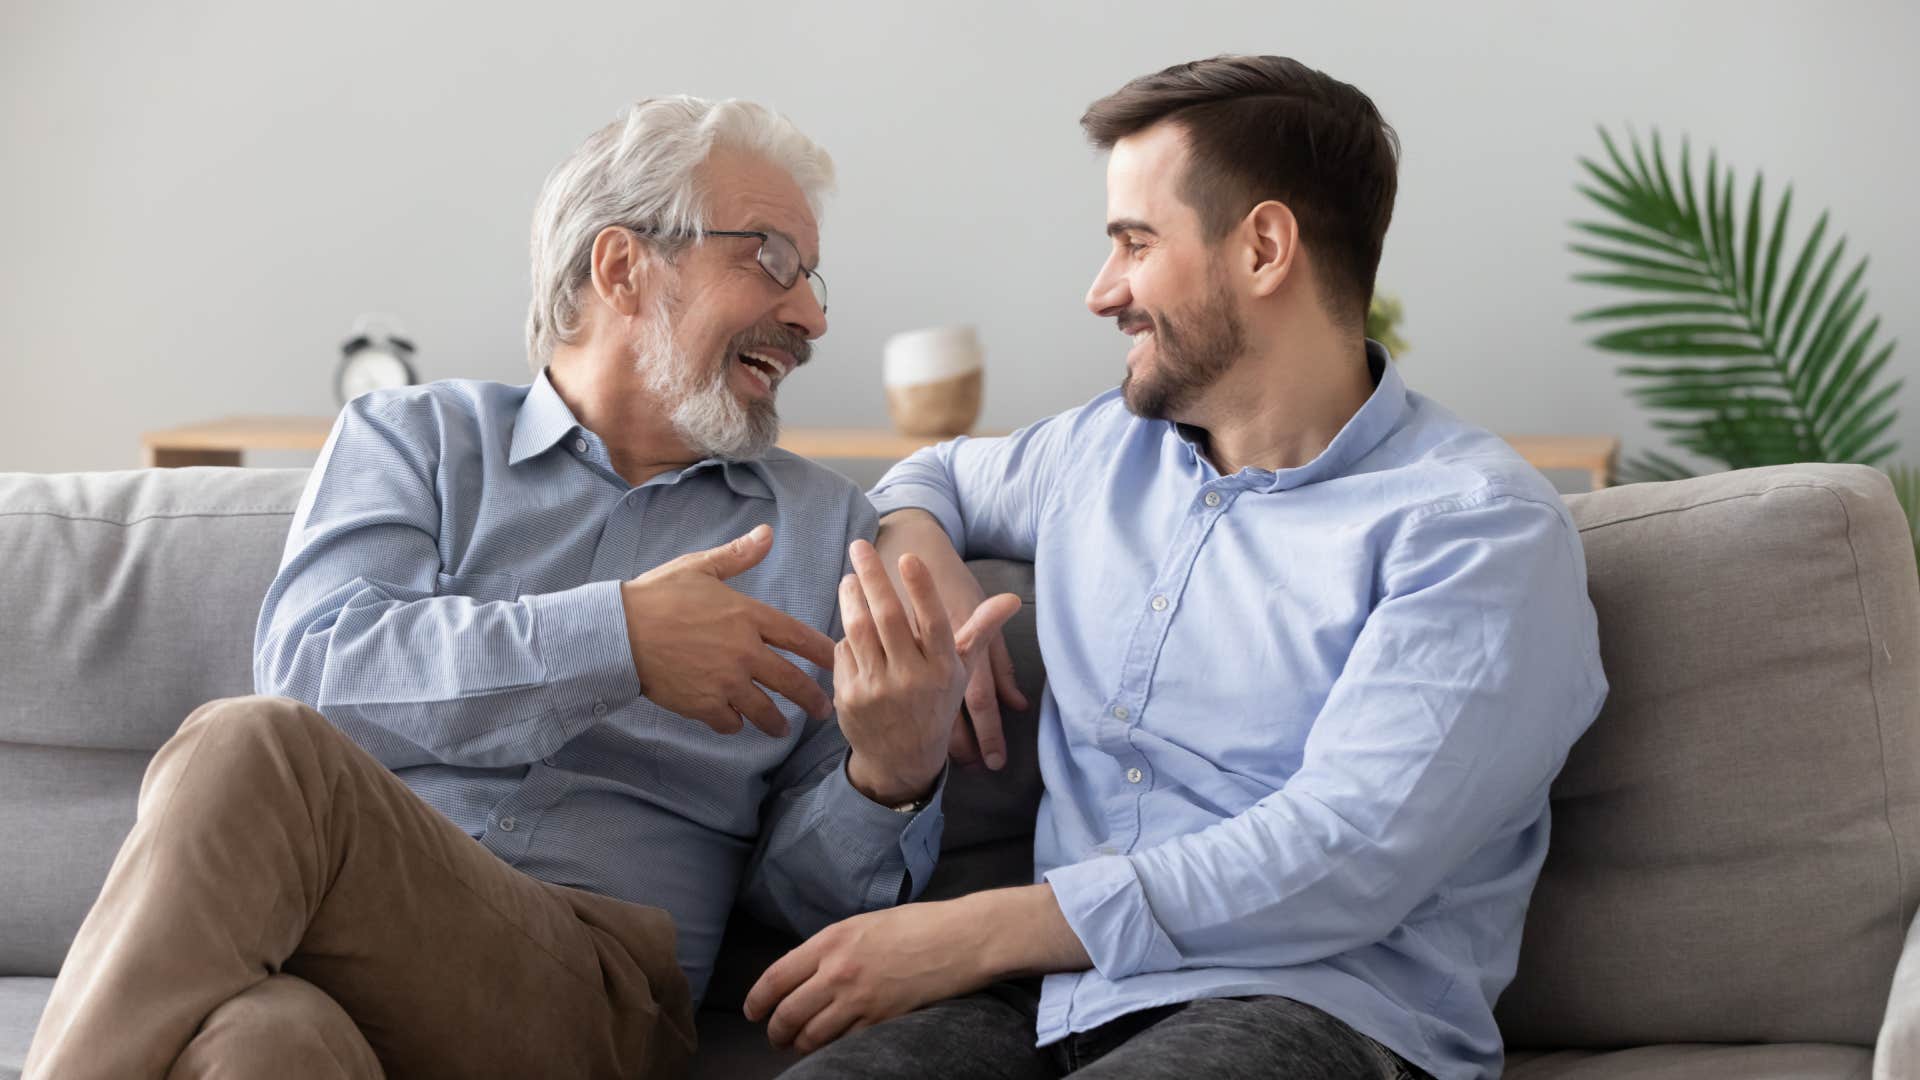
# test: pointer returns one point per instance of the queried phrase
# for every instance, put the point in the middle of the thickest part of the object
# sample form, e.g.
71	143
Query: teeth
780	369
766	380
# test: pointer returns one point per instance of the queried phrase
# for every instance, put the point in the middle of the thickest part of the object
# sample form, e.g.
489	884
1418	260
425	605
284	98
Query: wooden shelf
224	442
1595	455
869	444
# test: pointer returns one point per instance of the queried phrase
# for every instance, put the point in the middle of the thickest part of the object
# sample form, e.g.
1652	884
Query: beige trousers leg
279	1026
268	844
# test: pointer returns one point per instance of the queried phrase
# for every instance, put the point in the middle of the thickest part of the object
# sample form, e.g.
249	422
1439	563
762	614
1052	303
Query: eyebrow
1120	225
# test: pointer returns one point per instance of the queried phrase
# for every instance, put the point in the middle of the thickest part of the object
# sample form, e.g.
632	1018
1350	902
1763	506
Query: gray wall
197	199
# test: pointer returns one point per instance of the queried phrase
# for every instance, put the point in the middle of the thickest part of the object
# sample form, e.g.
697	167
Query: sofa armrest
1896	1053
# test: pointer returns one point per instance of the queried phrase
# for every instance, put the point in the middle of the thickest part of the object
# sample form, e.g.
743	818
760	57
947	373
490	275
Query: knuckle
840	970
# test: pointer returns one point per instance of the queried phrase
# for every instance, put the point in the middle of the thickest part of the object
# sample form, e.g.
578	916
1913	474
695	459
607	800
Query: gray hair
642	171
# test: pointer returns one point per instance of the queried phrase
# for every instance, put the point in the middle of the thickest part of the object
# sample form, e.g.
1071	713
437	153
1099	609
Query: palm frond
1749	360
1650	466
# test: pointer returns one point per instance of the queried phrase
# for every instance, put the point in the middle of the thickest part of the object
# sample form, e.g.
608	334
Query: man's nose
1108	295
800	311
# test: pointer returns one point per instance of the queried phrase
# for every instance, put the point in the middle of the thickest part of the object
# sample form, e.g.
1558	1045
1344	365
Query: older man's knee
255	718
236	736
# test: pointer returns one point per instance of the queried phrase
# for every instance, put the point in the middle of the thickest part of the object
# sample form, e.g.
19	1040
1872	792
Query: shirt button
1213	498
550	762
1119	712
579	446
599	708
507	823
1159	603
1133	777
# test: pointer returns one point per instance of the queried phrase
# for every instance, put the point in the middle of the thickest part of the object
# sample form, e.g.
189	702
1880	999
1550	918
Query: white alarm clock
376	357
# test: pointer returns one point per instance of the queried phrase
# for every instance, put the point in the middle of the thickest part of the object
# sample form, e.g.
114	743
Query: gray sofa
1728	891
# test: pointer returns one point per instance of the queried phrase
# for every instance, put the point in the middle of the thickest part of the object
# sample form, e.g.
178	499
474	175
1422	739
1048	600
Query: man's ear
624	268
1274	246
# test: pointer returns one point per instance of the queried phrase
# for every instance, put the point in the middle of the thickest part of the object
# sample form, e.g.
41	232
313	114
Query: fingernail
994	761
761	532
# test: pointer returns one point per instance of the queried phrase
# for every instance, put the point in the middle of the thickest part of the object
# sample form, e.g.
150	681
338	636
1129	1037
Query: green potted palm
1748	353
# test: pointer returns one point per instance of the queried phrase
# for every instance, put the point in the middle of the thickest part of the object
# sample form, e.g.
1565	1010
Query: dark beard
1195	347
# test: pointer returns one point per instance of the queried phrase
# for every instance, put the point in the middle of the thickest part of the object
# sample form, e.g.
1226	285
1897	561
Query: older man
541	613
1315	650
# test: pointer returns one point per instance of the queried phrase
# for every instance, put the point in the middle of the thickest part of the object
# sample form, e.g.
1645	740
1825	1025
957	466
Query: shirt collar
545	420
1366	429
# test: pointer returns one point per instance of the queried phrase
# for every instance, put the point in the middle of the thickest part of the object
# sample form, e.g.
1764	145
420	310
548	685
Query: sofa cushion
1730	838
22	1000
130	599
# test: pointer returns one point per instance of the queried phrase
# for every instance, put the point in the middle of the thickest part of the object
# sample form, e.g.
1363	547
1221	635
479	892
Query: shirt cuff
903	847
582	637
892	495
1107	909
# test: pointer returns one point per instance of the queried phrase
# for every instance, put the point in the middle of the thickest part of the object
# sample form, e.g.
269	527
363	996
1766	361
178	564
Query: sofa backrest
126	599
1735	851
1730	839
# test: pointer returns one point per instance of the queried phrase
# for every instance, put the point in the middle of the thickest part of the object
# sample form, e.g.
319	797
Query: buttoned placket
1128	705
510	825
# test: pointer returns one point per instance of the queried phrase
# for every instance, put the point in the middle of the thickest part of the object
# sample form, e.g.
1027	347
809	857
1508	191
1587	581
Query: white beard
704	410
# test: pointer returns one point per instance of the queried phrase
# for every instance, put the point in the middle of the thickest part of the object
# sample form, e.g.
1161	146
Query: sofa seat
22	998
733	1049
1694	1061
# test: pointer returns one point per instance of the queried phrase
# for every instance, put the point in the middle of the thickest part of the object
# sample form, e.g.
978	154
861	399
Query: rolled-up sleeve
989	494
356	623
1469	682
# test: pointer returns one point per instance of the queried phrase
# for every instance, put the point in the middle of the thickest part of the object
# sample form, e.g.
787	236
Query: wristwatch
913	807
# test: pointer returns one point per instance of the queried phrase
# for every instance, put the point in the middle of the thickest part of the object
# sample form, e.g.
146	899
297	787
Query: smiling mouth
767	369
1139	336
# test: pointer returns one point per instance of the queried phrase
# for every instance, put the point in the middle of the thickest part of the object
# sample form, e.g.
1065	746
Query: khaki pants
285	907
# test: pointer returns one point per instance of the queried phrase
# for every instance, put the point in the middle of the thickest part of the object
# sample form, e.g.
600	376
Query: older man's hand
898	680
705	651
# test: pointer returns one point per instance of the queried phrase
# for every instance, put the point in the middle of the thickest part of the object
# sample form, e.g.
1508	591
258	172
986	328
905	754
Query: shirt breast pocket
484	586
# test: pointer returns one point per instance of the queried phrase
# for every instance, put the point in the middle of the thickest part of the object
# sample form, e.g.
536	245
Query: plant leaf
1851	444
1654	335
1843	385
1776	321
1814	296
1865	423
1833	330
1640	262
1753	246
1663	243
1644	283
1679	307
1765	295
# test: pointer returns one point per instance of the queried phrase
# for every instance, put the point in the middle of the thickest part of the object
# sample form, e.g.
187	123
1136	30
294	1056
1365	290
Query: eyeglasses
777	256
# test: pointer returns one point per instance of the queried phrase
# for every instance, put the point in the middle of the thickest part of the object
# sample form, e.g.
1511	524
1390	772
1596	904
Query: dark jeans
989	1036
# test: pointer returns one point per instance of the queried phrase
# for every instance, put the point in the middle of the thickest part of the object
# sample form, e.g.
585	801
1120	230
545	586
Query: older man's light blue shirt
1299	726
450	598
